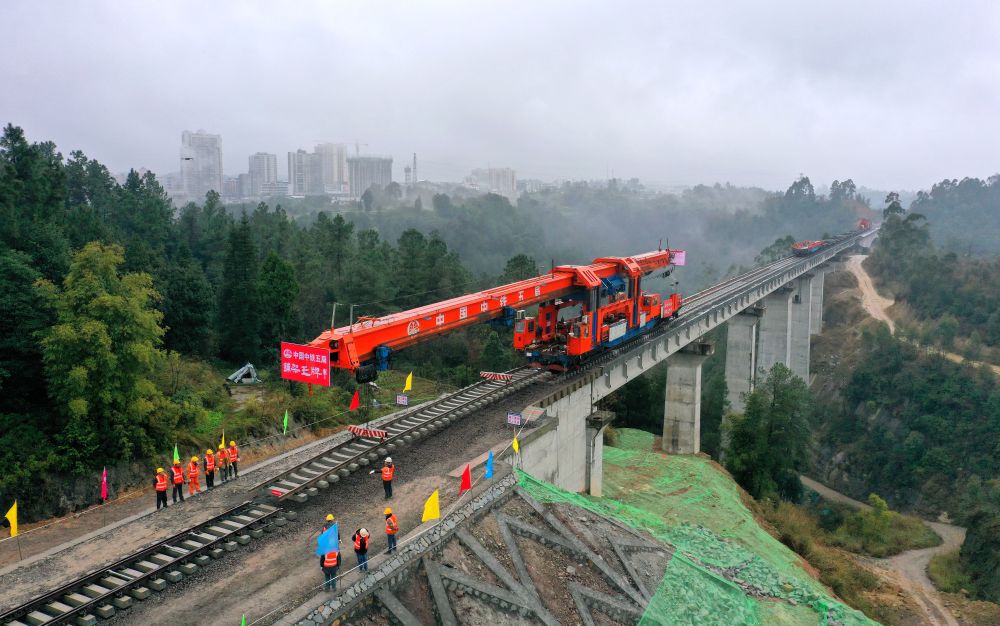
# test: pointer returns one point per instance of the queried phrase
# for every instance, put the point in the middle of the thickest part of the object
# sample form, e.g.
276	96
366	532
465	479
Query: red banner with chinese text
305	364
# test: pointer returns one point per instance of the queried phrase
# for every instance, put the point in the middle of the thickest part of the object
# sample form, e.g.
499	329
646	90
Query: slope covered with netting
726	569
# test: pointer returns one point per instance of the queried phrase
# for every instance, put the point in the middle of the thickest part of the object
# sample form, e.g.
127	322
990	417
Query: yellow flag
222	442
432	508
12	516
517	448
409	382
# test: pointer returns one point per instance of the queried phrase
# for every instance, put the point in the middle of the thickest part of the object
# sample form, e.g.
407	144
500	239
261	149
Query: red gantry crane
606	301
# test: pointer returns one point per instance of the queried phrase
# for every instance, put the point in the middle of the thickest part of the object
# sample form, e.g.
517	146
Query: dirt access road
877	306
909	569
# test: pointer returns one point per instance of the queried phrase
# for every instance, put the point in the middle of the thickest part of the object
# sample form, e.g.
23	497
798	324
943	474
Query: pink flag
104	485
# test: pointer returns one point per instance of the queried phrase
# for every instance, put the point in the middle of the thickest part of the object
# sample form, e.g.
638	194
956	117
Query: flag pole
17	540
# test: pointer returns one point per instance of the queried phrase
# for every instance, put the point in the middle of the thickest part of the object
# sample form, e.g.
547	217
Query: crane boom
365	346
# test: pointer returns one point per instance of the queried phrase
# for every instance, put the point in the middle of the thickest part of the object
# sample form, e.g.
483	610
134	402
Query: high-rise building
246	189
333	166
498	180
365	171
201	164
263	169
305	173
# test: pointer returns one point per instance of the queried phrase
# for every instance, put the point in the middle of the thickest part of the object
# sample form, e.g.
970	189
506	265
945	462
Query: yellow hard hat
387	511
329	517
232	443
194	458
221	446
159	470
209	451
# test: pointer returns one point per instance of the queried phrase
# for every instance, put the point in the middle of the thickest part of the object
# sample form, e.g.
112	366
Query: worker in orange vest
178	474
388	471
360	538
391	528
234	457
222	460
160	483
193	486
330	561
209	464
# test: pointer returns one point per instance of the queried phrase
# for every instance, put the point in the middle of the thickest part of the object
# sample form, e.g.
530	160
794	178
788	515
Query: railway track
329	467
101	593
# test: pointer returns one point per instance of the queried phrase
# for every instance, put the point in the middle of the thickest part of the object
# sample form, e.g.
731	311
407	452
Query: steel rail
123	578
339	461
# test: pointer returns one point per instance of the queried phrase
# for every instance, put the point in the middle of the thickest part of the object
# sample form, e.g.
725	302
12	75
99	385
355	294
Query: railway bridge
772	312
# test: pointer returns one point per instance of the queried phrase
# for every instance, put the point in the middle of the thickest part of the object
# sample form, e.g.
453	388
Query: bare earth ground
282	570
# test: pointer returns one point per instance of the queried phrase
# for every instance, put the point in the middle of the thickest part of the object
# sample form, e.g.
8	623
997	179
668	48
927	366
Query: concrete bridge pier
682	408
802	312
741	356
816	301
775	329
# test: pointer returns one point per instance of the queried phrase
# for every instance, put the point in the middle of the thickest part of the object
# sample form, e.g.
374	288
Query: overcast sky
892	94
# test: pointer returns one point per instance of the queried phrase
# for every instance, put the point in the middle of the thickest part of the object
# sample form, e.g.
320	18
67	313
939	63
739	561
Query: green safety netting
726	569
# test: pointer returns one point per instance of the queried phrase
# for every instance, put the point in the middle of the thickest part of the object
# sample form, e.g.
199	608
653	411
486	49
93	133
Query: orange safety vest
223	457
387	472
209	462
330	559
234	454
161	482
193	470
178	474
357	542
391	525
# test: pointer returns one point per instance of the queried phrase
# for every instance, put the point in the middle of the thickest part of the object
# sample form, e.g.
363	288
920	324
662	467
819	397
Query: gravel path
909	569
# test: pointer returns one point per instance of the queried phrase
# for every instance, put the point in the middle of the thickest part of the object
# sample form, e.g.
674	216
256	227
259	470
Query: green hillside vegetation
692	504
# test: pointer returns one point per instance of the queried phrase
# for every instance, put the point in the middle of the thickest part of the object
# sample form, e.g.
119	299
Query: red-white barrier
370	433
496	376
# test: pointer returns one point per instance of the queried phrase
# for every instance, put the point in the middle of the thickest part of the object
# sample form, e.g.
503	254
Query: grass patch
798	528
947	573
878	532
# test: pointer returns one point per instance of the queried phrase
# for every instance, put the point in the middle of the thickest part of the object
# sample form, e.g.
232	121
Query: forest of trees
917	428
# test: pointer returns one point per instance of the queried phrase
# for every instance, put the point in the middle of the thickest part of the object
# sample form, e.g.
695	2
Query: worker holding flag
177	474
328	549
222	462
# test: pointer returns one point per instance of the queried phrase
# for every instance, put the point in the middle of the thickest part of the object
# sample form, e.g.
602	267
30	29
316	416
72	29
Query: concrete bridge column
741	356
682	409
596	424
800	326
816	304
775	330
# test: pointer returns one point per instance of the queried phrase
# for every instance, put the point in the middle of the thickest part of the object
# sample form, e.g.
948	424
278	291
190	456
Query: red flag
466	480
355	401
104	485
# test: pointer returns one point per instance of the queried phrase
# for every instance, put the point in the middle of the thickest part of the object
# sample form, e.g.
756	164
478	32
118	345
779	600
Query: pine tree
278	290
237	322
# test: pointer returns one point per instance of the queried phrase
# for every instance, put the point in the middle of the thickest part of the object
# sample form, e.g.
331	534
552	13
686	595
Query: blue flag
489	466
328	541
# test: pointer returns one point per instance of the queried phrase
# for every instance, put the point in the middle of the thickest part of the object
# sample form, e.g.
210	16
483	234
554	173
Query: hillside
726	569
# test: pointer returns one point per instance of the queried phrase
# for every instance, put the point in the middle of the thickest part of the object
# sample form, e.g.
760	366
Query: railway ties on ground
100	594
319	472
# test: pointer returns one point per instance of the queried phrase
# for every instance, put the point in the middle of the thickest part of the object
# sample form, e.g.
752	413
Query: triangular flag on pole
244	621
517	448
177	456
409	382
489	466
285	429
104	485
328	541
432	508
355	401
466	480
222	442
12	517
